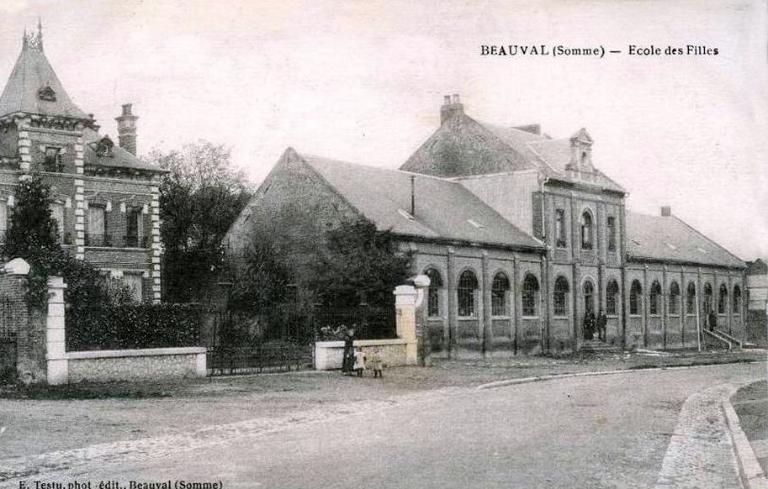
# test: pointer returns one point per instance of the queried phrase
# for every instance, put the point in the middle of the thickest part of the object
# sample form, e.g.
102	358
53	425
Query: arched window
690	299
707	298
589	296
561	297
610	227
499	292
612	298
736	300
653	305
674	298
530	295
586	231
635	297
433	292
722	300
466	292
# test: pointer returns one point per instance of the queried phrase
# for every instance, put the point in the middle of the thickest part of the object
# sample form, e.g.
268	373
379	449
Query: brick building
521	235
106	199
757	305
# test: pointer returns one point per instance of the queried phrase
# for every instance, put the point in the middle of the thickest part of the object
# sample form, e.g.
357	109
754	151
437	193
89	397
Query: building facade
521	236
106	200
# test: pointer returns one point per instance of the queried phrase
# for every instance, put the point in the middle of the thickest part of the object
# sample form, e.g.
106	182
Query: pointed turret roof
33	86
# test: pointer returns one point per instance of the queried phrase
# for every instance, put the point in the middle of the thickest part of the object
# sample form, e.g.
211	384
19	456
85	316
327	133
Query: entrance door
588	291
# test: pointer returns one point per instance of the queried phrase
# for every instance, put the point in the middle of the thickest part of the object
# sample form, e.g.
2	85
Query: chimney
666	211
451	106
126	129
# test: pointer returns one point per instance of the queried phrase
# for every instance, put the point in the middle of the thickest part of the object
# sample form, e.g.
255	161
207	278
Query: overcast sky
363	81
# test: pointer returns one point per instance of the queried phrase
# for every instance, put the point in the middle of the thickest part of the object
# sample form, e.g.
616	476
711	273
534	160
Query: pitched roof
443	209
462	146
119	158
34	88
670	239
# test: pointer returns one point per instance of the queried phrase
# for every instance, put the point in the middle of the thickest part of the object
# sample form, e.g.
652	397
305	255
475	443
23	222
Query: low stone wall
116	365
329	354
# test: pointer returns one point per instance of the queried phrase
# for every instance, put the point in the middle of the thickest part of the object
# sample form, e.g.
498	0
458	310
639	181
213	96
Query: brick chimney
126	129
666	211
450	107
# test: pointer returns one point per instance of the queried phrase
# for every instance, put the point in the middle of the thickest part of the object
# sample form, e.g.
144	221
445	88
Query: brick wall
29	326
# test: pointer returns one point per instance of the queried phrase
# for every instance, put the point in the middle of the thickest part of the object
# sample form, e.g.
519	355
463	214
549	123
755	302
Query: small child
375	361
359	362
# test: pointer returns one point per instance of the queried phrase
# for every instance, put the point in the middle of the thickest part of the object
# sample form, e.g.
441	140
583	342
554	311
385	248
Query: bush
130	326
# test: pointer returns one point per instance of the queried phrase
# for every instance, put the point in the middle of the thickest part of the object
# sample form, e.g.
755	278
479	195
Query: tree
200	198
32	229
358	264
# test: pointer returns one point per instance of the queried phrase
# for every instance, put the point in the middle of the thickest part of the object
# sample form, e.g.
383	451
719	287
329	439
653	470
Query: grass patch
116	390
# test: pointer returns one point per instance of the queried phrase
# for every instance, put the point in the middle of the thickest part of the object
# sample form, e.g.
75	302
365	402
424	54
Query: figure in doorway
602	322
589	325
712	319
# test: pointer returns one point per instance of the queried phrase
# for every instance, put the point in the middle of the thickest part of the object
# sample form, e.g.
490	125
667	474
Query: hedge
132	326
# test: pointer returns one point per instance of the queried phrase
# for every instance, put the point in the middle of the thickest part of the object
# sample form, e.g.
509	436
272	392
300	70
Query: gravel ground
82	415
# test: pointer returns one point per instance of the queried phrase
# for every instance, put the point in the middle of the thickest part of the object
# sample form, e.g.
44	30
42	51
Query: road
591	432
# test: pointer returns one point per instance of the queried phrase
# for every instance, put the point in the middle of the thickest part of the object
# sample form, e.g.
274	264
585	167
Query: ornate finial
33	40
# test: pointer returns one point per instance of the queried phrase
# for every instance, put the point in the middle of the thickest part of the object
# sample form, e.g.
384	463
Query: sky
363	81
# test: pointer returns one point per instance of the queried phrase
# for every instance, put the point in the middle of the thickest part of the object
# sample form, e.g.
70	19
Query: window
707	298
52	159
560	228
635	298
133	228
722	302
561	297
586	231
674	298
96	226
653	305
589	296
530	295
612	298
611	226
499	291
736	299
134	282
433	292
466	292
57	213
690	299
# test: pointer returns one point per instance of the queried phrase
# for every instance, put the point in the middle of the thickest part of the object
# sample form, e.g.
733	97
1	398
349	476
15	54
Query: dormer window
47	93
104	147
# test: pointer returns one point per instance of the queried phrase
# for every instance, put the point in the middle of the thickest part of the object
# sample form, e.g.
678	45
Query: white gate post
55	338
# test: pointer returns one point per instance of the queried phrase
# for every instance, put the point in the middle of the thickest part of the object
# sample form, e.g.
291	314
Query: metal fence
258	358
368	322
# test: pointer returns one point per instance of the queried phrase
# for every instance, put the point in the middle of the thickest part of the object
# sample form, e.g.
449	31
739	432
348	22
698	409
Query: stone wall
329	354
127	365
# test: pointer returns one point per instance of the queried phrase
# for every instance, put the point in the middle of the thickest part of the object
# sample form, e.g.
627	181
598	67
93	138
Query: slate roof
444	209
120	158
671	239
462	146
31	73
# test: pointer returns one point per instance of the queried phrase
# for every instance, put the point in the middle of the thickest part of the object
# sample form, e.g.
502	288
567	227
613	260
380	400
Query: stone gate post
405	306
55	338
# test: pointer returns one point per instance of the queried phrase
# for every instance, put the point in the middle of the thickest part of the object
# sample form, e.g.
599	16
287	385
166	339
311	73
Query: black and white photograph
385	244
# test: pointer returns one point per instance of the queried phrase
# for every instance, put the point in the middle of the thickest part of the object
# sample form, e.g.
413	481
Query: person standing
712	317
602	322
348	360
589	325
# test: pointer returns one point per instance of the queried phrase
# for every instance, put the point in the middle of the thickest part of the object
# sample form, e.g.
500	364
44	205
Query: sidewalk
751	406
66	417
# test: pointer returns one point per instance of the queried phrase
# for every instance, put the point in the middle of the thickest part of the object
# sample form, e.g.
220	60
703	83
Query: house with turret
106	200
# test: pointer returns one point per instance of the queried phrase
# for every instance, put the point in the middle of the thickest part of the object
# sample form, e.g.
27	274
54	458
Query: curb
750	471
541	378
